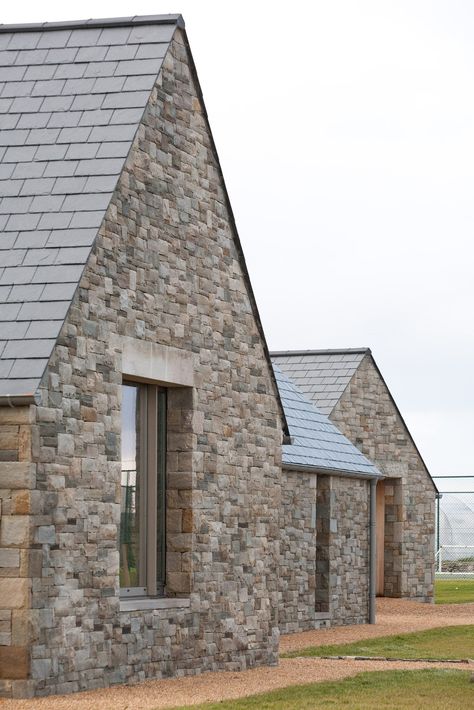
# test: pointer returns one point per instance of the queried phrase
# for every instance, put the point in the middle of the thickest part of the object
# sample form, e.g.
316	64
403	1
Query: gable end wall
164	269
367	416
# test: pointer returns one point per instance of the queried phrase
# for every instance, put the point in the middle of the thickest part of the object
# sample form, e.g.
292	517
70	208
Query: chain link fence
455	529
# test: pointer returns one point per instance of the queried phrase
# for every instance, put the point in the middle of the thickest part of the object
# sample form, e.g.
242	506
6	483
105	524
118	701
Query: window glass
131	489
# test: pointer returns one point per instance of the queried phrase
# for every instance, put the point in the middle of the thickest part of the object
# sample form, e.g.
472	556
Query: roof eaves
336	351
103	22
331	471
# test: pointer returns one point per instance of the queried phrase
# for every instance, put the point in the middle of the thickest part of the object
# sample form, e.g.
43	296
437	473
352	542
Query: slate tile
99	166
9	311
139	66
99	117
57	274
79	134
13	137
124	51
61	56
20	386
29	349
55	220
59	292
25	292
14	331
20	222
51	87
40	257
139	83
24	40
130	100
78	86
31	56
9	120
43	136
114	35
63	119
73	255
70	71
82	151
14	205
40	71
127	115
114	150
7	57
26	104
31	239
11	257
72	237
51	152
87	219
58	38
34	120
42	329
84	37
96	69
101	183
27	170
58	168
69	185
5	367
91	54
87	102
7	239
86	203
152	51
17	275
10	188
13	73
151	33
57	103
28	368
108	84
19	154
5	105
46	203
115	133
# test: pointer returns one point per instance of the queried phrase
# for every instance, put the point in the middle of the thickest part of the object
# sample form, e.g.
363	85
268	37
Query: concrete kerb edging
467	661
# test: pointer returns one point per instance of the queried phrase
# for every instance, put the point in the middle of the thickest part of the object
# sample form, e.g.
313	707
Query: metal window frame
152	400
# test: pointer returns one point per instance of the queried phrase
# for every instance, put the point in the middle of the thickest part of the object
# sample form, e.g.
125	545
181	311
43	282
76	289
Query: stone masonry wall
17	559
324	551
349	551
165	269
367	416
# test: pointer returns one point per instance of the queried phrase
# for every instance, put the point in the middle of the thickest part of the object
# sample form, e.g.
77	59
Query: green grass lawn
454	591
448	642
393	690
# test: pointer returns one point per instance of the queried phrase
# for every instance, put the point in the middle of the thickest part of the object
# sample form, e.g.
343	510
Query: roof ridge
100	22
333	351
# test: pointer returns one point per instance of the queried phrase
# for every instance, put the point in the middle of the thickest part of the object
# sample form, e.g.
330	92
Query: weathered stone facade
367	415
165	269
324	553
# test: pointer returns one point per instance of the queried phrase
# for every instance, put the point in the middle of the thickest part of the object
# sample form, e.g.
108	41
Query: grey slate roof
321	375
71	99
317	442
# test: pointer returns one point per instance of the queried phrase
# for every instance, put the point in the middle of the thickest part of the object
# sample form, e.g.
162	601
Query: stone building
147	528
348	387
327	540
140	423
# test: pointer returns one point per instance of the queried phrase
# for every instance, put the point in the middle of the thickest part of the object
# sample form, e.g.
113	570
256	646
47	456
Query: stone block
9	437
14	415
9	558
17	474
14	662
14	593
178	582
15	531
66	445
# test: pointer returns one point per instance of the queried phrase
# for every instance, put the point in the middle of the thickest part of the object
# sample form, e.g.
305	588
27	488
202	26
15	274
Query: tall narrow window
143	490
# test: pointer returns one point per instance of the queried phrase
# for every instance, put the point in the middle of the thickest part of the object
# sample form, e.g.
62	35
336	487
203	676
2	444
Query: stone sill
150	604
322	616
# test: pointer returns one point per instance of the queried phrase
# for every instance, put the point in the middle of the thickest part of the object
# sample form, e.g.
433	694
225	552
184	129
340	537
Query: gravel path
394	616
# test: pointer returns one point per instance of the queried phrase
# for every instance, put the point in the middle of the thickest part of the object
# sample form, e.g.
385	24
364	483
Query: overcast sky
346	134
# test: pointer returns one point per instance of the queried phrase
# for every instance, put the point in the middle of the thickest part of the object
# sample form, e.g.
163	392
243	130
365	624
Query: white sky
345	132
